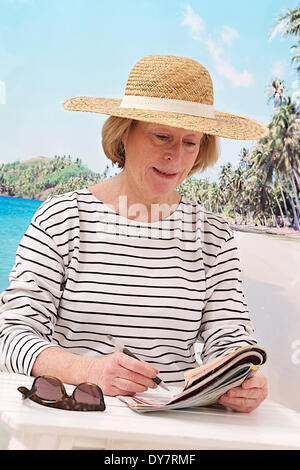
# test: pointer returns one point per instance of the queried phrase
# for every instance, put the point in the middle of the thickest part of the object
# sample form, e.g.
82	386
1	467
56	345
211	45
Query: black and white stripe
83	272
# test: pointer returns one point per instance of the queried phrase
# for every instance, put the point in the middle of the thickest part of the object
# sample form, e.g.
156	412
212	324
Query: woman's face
159	157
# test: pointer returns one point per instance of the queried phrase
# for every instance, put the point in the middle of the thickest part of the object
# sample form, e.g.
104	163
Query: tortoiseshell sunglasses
50	391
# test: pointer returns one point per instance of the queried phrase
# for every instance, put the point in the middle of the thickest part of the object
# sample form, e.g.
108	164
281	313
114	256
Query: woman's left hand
248	396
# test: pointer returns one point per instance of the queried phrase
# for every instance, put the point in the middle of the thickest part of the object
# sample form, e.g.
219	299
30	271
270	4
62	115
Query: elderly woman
131	258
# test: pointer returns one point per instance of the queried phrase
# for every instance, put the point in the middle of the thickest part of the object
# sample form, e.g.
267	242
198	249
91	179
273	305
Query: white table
32	426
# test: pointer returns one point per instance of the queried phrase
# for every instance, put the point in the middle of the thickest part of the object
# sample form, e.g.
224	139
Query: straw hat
175	91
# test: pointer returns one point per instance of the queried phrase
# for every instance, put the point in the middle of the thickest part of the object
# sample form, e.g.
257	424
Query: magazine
204	384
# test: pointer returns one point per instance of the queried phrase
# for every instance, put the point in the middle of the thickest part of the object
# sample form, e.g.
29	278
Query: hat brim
228	125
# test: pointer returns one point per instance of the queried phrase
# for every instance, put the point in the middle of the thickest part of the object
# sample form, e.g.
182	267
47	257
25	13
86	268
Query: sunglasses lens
48	388
87	393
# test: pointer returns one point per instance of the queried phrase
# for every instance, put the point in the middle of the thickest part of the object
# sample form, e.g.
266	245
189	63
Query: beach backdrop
51	51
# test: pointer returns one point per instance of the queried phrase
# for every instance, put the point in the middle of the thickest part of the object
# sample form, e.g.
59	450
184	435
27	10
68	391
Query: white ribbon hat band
168	105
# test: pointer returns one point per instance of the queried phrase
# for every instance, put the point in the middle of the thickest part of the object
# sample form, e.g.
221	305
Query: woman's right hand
119	374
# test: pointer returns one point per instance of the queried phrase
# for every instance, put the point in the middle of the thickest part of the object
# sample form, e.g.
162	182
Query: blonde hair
116	128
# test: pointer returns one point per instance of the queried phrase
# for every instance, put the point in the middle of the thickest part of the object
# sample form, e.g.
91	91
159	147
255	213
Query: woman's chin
163	187
160	191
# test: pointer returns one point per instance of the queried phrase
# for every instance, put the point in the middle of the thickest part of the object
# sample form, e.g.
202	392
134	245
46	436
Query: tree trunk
274	218
279	206
293	184
209	203
265	220
292	202
283	198
296	220
297	177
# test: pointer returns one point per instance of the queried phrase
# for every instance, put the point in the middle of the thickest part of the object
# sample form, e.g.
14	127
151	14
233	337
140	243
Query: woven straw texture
176	78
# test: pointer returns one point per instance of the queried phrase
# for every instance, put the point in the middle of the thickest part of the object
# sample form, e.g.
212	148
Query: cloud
194	22
278	68
229	34
223	67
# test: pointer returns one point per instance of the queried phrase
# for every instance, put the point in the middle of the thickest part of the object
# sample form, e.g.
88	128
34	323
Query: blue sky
51	50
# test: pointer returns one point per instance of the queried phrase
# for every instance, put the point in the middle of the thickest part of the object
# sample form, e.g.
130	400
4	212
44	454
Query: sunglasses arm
27	393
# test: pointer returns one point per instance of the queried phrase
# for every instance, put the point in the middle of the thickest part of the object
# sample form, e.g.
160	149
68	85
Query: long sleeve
28	307
225	324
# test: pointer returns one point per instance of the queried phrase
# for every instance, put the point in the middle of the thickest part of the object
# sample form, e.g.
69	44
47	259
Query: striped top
82	272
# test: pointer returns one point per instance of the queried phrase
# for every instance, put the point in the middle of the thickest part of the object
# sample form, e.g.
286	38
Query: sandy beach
271	279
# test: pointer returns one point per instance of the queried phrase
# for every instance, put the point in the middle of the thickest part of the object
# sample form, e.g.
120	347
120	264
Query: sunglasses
50	391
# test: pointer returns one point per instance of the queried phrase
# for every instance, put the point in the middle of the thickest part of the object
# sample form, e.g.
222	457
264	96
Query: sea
15	217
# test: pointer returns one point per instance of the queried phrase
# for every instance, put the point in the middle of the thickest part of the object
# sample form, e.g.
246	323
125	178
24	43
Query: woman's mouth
163	174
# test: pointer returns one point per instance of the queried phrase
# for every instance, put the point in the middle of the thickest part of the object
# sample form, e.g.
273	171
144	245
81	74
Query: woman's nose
173	150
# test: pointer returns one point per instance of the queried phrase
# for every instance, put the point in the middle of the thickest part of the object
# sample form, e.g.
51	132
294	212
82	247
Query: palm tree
291	19
276	92
248	194
296	57
287	127
277	156
227	188
203	194
289	25
217	198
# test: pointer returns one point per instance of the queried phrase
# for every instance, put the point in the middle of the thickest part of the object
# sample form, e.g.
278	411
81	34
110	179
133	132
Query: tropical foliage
288	24
41	177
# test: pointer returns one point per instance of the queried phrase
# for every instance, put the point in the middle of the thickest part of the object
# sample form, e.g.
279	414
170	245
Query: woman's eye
166	137
161	137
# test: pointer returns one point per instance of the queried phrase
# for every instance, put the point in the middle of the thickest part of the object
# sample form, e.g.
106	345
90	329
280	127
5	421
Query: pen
121	347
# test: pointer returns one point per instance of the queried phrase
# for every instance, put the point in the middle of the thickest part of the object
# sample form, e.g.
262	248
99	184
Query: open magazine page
152	401
203	385
246	354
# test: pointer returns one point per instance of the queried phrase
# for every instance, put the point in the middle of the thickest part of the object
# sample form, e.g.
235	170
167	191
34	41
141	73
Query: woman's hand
248	396
120	374
117	374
